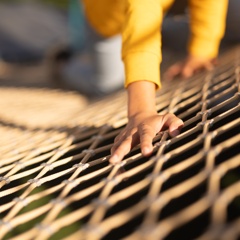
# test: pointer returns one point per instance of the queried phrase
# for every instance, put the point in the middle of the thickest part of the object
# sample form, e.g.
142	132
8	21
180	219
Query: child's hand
189	67
142	128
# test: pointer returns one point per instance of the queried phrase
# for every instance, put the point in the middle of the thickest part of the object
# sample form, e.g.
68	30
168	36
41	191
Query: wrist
141	98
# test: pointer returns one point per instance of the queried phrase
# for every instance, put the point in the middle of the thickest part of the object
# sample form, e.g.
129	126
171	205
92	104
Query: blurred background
33	33
29	32
36	36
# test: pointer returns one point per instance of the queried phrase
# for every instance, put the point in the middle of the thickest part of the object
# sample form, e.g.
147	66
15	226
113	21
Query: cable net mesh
56	182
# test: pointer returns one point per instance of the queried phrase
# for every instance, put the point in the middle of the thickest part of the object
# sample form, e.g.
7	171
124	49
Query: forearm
141	98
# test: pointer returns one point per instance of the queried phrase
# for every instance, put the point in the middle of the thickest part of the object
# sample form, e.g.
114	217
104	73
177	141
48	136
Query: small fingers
187	71
193	67
122	147
120	151
173	71
174	124
121	137
146	134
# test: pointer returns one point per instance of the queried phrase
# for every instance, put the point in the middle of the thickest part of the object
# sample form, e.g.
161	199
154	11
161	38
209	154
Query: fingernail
175	133
114	159
145	151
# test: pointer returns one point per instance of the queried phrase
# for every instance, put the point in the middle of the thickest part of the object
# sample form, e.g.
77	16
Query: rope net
56	182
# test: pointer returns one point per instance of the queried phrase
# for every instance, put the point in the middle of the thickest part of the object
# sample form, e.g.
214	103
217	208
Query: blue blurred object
29	30
76	26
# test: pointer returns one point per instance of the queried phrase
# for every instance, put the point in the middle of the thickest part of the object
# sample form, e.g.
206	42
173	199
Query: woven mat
56	182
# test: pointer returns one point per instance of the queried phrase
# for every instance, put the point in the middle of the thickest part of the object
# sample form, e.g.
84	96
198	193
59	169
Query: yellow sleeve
139	22
105	16
207	19
141	47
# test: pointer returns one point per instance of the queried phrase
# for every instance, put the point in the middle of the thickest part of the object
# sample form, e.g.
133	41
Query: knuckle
144	132
144	127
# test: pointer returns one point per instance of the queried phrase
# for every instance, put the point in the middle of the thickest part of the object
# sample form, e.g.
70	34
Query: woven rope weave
56	182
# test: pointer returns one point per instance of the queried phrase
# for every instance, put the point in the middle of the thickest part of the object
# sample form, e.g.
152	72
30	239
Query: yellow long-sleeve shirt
139	22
